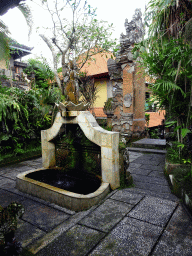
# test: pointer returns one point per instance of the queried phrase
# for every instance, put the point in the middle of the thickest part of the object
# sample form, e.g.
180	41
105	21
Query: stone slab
153	210
146	161
127	197
152	167
156	174
157	157
145	192
6	198
146	157
139	171
12	174
59	230
38	160
107	215
135	154
4	181
27	233
177	238
23	168
147	150
4	170
76	241
150	179
153	142
173	246
152	187
42	216
180	223
7	184
134	165
130	237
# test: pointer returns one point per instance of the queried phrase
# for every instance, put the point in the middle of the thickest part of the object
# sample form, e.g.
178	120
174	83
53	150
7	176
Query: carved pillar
128	85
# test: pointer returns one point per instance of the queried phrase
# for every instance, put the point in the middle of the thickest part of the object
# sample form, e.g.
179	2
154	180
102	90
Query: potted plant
108	110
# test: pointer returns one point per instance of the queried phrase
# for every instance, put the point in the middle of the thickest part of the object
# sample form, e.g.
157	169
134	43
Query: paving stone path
144	220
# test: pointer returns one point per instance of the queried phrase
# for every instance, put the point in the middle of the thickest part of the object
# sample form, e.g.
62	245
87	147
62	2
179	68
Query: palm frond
166	85
24	9
4	42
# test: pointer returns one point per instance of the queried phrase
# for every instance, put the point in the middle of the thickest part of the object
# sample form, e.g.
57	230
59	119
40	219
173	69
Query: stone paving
143	220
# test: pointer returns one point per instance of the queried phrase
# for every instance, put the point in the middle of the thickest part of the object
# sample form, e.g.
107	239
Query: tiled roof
97	66
156	118
98	112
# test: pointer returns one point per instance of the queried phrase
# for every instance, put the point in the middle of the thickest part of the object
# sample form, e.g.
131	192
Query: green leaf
170	123
177	128
180	145
184	132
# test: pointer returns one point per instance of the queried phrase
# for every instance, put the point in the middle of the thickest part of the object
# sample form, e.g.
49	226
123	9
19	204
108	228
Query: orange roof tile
97	66
98	112
156	118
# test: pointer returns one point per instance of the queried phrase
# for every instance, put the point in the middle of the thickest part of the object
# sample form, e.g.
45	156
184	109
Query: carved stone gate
128	83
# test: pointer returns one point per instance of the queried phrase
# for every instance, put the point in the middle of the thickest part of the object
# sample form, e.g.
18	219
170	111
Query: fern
168	86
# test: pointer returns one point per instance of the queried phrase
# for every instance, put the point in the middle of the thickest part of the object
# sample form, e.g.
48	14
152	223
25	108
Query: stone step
150	143
147	150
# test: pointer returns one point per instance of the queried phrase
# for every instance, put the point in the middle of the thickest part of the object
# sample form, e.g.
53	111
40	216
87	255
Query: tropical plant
166	56
168	18
23	115
43	75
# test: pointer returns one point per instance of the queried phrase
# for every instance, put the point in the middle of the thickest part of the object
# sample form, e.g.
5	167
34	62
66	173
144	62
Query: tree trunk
54	60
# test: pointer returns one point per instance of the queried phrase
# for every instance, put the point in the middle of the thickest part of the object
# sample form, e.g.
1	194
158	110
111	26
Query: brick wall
129	100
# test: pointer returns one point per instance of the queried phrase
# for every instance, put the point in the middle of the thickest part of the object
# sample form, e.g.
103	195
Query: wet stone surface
146	161
139	171
152	187
6	198
77	241
153	210
157	174
26	233
107	215
152	167
173	246
42	216
127	197
148	179
129	237
130	221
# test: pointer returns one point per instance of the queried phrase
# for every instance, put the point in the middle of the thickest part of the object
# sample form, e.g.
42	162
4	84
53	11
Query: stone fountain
109	148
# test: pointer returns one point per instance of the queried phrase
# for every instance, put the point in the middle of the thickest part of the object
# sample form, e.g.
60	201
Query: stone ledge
146	150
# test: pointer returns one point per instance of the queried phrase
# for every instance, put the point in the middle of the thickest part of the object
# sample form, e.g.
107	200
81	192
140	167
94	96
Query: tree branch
54	59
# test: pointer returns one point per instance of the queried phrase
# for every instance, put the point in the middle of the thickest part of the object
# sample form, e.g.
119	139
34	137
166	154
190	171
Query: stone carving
127	100
123	122
114	70
134	31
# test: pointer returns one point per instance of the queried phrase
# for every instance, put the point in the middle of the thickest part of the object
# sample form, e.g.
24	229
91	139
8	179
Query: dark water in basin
73	181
